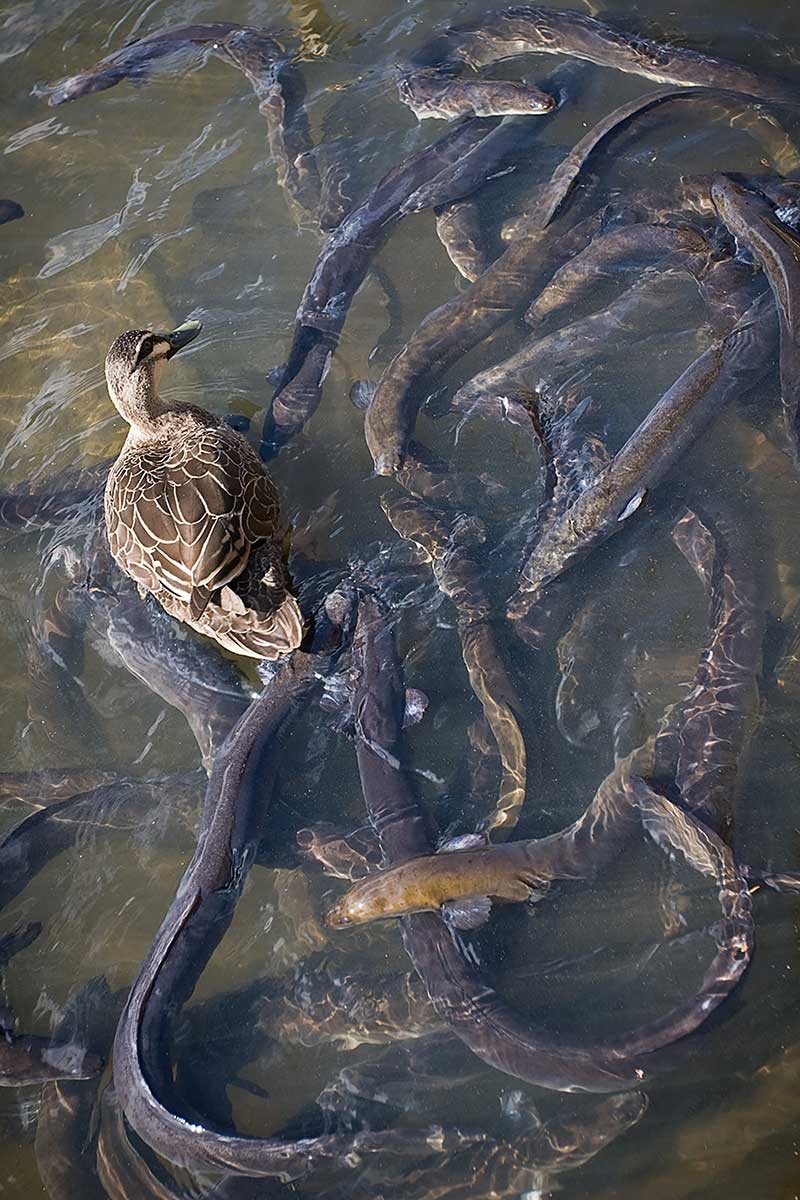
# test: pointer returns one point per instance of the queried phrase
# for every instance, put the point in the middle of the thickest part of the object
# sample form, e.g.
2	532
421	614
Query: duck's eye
145	348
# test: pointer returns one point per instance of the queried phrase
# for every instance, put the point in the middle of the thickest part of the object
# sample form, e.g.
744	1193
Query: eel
340	271
541	361
506	147
188	673
632	247
121	1169
125	804
12	943
523	871
705	733
703	738
280	91
459	228
30	511
517	1164
531	29
462	995
26	1058
65	1130
726	370
461	579
134	60
35	790
59	707
267	65
518	274
752	219
10	210
231	827
455	327
565	175
431	94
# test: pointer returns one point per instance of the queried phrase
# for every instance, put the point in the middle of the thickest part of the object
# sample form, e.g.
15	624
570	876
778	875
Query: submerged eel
518	275
340	271
461	579
724	371
463	996
25	1058
530	29
752	219
699	744
266	64
231	827
29	511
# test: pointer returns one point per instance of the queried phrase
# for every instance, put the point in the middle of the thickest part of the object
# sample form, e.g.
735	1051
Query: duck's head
134	365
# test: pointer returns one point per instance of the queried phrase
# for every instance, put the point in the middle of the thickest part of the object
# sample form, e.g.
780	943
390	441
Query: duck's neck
140	404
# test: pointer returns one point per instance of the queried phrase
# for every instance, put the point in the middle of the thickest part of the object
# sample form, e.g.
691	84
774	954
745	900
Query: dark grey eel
29	511
518	275
531	29
752	219
231	827
340	271
26	1058
726	370
134	60
265	62
460	994
126	804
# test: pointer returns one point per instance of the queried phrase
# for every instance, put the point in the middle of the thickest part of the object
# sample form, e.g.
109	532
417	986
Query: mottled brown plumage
191	513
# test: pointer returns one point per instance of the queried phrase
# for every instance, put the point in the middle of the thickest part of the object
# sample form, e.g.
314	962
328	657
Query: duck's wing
185	516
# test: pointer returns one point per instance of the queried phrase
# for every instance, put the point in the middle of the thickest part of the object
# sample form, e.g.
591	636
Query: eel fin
465	841
415	704
467	913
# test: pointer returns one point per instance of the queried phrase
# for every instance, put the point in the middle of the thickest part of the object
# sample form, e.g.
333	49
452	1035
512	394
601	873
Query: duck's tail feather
265	637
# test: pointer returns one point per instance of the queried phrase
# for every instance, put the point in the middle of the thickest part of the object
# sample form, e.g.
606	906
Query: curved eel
10	210
26	1059
519	273
626	321
230	830
752	219
460	994
266	64
461	579
723	372
28	511
632	247
531	29
340	271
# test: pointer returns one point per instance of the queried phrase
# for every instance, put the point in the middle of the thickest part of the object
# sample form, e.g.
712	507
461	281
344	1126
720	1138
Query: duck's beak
181	336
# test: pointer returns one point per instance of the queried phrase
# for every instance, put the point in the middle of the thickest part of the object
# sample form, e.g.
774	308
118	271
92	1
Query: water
156	202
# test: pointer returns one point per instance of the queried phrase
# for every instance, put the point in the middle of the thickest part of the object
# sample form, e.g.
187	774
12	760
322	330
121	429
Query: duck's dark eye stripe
145	348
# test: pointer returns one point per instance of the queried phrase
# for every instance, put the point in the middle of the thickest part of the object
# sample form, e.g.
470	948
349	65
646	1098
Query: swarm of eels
192	515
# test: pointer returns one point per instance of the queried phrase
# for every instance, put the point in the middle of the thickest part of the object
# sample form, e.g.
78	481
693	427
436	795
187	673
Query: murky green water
155	202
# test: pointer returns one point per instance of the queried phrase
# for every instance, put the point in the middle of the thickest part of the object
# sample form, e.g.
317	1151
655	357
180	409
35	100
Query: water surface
156	202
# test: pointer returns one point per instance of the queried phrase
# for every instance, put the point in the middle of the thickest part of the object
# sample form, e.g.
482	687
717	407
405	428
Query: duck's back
185	506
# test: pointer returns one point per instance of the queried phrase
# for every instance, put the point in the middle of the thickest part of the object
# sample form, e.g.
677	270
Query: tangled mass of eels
186	529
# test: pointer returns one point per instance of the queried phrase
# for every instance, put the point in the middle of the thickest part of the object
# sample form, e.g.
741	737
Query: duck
191	514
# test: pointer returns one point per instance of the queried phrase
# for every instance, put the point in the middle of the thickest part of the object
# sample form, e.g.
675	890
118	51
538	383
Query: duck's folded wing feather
189	525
